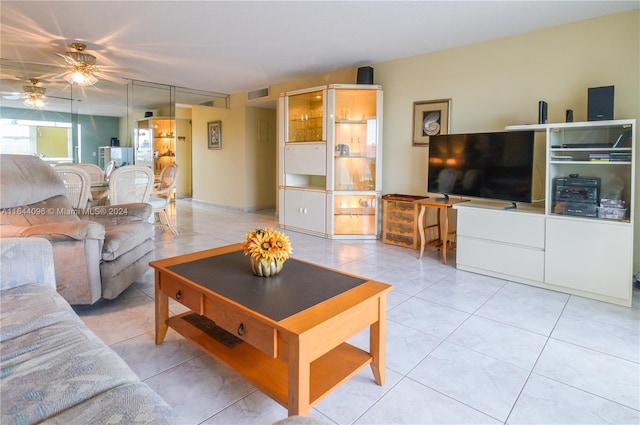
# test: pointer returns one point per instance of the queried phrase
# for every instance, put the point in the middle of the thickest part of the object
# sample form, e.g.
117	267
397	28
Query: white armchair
130	183
76	183
162	194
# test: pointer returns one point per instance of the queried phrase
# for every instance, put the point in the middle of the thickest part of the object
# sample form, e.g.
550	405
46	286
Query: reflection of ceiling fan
33	95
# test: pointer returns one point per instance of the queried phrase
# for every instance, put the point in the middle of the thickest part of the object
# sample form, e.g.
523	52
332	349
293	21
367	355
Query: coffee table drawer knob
178	294
241	329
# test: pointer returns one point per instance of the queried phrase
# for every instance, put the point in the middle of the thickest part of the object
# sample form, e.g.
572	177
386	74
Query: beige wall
499	83
491	84
219	174
184	156
261	158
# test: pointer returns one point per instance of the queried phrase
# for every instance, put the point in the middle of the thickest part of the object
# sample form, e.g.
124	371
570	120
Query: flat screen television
497	166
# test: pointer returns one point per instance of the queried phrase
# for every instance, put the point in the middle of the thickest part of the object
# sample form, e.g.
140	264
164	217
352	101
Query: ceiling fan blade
113	79
110	68
31	66
59	97
69	60
11	95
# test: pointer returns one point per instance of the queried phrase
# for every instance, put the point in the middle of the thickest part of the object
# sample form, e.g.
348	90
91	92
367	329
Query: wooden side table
443	234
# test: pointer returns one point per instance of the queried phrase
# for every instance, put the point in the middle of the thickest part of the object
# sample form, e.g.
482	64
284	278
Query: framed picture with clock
430	117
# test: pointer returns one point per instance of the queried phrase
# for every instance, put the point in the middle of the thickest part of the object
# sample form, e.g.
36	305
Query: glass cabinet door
354	215
355	139
306	117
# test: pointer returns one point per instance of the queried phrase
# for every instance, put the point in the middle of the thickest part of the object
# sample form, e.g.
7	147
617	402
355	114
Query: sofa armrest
24	261
61	231
111	215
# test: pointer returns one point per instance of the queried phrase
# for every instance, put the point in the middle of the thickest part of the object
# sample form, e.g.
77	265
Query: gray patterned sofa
53	369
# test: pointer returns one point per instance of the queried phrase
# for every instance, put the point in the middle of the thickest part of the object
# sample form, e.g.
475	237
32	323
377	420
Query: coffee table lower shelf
270	374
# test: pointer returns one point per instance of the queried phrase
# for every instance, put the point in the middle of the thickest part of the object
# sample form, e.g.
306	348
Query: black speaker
569	115
365	75
542	112
600	103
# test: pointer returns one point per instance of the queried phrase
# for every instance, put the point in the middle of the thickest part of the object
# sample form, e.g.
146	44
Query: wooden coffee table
287	332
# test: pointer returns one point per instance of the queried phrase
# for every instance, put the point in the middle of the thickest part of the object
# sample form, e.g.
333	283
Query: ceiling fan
82	65
83	70
80	68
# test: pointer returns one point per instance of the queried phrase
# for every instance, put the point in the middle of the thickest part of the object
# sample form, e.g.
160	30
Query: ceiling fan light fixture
35	101
83	66
81	76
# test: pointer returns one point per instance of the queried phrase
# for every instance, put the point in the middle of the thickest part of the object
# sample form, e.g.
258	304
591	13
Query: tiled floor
461	348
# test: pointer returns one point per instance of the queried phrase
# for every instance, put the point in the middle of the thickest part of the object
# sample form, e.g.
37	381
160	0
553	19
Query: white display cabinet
330	142
581	242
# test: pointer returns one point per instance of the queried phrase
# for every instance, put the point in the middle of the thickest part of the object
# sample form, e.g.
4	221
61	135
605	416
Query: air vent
207	103
258	94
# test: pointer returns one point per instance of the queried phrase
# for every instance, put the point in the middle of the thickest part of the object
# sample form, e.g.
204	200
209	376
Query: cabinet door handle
301	210
305	210
178	294
241	329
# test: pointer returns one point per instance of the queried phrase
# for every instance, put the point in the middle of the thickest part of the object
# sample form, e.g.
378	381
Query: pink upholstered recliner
97	252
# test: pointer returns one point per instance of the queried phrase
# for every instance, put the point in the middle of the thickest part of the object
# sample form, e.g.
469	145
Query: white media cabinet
586	256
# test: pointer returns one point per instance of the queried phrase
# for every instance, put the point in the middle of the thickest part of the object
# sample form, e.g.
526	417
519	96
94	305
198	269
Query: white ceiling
237	46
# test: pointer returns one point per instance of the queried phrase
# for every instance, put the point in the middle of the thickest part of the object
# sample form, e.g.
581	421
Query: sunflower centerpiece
269	249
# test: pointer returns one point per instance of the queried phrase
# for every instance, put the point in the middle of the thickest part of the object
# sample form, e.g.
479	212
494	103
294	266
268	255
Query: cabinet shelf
351	121
327	372
591	162
590	149
339	157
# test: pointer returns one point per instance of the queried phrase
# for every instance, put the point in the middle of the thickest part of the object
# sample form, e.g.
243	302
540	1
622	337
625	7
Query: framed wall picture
215	134
430	117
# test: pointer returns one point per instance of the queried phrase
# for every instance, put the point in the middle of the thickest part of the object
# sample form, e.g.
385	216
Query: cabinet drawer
511	227
241	324
307	159
510	260
182	293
